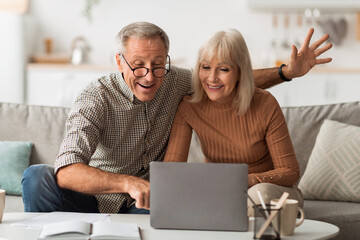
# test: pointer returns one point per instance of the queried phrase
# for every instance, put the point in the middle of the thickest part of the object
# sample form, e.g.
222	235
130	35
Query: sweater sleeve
286	167
180	138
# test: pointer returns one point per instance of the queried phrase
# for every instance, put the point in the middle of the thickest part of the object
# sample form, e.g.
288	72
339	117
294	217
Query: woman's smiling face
219	80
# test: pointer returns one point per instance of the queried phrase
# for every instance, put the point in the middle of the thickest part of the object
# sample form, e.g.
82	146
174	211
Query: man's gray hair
140	30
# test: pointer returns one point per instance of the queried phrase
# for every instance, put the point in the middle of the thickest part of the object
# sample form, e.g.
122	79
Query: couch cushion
304	124
13	204
333	171
345	215
42	125
14	159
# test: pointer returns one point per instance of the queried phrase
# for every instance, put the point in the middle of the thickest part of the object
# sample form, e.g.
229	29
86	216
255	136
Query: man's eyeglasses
158	72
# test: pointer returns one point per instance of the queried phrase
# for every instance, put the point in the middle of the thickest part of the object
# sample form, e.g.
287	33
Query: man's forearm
265	78
89	180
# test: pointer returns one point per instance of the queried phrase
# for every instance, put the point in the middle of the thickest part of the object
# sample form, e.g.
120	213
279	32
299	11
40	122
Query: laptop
198	196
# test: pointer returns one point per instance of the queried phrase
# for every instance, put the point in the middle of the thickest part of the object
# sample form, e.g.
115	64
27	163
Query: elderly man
121	122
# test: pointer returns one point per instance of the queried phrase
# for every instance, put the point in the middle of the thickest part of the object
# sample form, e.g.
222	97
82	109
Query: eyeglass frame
147	69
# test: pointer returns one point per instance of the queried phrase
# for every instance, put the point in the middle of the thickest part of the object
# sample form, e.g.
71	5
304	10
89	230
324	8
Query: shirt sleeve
286	167
184	80
83	128
180	138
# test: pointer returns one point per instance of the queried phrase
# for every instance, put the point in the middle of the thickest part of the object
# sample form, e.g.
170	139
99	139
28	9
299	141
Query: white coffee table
310	229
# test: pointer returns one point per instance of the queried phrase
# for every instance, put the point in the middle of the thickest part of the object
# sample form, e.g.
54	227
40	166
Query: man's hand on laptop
139	189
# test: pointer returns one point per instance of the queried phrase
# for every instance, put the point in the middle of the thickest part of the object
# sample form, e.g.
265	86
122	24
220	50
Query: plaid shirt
110	129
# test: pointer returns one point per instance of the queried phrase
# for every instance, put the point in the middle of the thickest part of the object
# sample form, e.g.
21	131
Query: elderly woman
236	122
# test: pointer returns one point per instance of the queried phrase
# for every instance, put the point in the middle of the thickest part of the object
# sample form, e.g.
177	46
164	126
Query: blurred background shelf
70	67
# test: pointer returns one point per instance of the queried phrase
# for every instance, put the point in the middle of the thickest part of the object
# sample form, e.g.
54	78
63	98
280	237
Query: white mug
2	203
288	219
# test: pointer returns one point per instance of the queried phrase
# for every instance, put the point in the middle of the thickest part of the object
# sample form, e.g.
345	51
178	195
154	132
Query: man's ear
119	63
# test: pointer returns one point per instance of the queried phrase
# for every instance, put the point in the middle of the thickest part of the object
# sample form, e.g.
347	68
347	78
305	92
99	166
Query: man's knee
39	188
36	175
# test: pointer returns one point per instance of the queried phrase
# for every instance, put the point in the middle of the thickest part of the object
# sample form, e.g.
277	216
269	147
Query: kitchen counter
58	84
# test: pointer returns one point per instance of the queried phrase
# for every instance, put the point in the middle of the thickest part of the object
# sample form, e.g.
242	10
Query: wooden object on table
48	42
49	56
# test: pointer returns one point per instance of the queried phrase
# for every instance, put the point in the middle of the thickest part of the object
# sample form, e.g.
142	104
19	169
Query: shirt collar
125	88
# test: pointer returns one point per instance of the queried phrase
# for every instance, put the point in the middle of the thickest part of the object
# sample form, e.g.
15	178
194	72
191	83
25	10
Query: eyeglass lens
158	72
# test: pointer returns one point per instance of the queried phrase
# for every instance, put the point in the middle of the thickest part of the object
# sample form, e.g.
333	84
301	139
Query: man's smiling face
149	53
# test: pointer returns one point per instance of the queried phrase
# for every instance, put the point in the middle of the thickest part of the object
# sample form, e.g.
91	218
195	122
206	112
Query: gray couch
45	127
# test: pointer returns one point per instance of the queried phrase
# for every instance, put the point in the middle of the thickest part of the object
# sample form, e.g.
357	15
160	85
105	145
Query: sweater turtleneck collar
225	105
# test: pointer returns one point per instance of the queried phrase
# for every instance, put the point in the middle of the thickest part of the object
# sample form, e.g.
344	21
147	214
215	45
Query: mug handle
302	218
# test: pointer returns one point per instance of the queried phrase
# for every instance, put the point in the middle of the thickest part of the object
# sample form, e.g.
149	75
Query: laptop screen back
202	196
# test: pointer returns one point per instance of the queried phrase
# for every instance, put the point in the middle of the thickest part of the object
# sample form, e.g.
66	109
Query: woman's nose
212	76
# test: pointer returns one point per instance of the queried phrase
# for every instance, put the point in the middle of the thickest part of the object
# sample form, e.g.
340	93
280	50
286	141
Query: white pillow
333	170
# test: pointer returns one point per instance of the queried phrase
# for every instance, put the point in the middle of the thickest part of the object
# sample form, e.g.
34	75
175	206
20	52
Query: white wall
12	58
188	23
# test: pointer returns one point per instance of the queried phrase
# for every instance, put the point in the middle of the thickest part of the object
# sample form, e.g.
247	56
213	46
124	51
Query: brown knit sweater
259	137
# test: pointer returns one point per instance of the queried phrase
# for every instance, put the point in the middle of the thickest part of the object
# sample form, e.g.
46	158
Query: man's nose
150	76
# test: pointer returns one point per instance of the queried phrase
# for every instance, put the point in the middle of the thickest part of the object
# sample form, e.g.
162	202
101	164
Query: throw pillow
333	171
14	159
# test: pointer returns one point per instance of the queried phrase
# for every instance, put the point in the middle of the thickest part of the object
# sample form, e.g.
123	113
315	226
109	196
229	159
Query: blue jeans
42	194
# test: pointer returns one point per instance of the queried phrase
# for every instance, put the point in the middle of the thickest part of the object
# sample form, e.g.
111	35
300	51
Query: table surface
310	229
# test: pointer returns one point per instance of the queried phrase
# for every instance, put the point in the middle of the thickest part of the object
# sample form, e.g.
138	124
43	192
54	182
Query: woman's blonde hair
227	46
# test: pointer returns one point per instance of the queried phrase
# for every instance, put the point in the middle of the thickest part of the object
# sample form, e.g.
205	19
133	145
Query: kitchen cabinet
320	87
59	84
